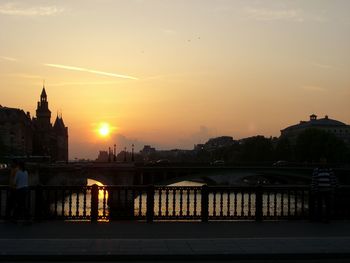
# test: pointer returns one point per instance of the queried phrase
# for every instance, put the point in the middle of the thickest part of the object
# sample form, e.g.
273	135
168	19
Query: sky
175	73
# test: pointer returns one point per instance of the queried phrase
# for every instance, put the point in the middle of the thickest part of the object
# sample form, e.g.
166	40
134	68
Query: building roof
13	115
314	122
59	124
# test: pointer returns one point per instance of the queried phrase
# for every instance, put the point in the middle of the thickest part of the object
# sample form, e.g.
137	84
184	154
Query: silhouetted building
60	140
218	142
16	131
147	152
198	147
23	136
103	157
339	129
49	140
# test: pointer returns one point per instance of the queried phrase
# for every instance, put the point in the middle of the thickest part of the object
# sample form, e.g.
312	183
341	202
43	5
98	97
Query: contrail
91	71
8	58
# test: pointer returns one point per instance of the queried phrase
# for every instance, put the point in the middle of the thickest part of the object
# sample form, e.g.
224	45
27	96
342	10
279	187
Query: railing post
38	212
259	203
150	204
204	203
94	203
10	202
312	205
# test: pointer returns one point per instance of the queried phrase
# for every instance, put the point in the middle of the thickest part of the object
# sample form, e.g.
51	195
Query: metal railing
154	203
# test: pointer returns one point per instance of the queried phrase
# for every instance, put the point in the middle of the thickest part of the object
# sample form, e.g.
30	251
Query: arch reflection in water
76	203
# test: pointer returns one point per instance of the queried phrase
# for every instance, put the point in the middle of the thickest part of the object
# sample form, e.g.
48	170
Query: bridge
133	174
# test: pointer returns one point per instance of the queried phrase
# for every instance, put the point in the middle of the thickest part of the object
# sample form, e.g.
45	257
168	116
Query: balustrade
154	203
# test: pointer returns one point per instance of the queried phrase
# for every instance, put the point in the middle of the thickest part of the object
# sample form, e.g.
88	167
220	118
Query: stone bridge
78	174
224	175
131	174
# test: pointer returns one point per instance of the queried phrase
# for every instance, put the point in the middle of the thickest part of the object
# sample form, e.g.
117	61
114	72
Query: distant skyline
175	73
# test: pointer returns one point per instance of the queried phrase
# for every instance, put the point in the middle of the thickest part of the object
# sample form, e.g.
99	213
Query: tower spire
43	113
43	93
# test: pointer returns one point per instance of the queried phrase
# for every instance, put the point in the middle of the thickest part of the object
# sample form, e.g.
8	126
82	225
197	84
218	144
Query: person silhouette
11	199
323	187
21	183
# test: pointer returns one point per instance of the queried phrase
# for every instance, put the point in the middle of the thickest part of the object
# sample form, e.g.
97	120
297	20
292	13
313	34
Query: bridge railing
154	203
342	203
177	203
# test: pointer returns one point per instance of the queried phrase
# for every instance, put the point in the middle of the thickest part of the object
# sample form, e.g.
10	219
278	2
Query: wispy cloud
169	31
25	76
93	71
313	88
323	66
14	9
8	58
264	14
83	83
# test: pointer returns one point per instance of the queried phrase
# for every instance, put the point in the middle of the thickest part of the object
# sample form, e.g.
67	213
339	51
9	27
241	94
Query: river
233	204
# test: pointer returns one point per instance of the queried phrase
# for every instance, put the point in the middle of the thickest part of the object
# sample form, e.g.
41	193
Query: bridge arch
119	174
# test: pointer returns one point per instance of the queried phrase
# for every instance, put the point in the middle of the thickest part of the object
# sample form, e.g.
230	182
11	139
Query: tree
3	149
257	149
314	144
284	150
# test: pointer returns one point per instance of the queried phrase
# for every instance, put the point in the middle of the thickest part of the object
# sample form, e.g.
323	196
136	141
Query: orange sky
174	73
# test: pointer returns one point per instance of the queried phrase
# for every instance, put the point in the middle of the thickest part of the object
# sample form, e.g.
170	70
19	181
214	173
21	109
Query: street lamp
132	153
115	153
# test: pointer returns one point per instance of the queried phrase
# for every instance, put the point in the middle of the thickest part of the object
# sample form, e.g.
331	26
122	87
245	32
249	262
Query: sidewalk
174	241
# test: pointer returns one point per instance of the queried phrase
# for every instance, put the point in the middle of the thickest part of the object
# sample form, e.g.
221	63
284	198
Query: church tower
43	114
61	136
51	141
43	139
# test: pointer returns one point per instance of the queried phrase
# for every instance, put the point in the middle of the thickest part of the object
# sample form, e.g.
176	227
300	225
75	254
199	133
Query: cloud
123	141
73	68
83	83
202	135
8	58
13	9
25	76
264	14
313	88
294	15
169	32
324	66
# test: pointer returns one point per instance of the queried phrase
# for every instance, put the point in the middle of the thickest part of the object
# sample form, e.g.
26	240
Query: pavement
172	241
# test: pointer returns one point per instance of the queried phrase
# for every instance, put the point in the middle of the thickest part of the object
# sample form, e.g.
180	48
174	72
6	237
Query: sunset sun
104	129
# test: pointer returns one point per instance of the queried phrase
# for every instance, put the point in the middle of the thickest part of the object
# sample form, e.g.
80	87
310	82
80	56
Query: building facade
21	135
16	131
338	128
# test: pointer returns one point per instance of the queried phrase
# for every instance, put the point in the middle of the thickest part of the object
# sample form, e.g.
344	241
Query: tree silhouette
284	150
3	150
257	149
314	144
